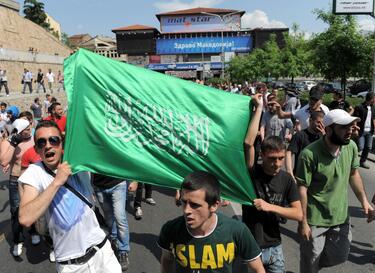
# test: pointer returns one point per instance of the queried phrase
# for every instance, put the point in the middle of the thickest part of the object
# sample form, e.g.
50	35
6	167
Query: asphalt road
144	255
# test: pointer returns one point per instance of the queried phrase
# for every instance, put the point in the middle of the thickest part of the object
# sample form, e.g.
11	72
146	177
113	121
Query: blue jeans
273	259
113	202
365	145
14	202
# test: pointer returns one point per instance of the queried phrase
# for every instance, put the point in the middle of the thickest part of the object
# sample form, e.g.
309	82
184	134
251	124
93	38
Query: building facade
24	44
193	43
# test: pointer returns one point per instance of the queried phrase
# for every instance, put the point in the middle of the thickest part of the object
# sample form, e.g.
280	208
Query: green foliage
295	56
65	40
34	11
341	51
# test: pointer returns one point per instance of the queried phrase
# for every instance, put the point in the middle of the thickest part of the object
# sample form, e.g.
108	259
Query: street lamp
221	17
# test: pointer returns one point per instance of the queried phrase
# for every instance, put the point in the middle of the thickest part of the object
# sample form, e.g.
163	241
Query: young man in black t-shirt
203	240
274	188
303	138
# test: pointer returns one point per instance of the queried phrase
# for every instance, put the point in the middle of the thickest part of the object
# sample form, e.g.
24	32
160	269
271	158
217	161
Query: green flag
130	122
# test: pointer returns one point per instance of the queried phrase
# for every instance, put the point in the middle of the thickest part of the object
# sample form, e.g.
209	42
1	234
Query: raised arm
33	204
280	113
252	130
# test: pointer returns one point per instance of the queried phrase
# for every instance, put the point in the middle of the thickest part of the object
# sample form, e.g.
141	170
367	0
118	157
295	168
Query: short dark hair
206	181
314	115
26	114
370	96
36	99
272	143
47	124
3	104
52	107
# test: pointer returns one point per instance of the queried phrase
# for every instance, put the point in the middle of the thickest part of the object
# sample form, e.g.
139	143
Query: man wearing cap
11	151
303	114
324	170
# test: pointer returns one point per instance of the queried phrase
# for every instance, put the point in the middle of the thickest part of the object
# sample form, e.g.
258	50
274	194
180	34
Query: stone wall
26	38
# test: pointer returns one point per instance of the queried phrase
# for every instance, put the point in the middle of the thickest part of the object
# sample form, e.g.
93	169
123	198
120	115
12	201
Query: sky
99	17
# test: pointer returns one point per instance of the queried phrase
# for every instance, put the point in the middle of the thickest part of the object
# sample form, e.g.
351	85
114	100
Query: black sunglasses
53	140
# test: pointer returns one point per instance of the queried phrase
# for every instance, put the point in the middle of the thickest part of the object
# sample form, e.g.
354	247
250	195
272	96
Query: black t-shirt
40	77
278	190
105	182
299	141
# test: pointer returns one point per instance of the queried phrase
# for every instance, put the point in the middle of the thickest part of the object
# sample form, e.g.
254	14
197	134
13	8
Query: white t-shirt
50	77
368	120
303	115
72	224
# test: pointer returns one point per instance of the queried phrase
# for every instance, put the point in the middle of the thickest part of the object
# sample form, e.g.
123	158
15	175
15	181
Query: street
144	255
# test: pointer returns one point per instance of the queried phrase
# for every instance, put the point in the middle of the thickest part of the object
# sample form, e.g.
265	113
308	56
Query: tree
295	55
34	11
340	51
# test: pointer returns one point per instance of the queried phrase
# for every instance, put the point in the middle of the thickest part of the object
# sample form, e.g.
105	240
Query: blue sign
204	45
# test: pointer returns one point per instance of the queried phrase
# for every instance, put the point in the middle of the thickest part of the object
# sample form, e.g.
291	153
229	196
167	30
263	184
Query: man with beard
47	189
324	170
203	240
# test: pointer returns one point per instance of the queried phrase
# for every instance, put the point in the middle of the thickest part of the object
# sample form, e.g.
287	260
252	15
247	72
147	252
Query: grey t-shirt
274	126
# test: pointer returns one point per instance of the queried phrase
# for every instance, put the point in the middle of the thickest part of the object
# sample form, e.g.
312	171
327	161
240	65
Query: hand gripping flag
129	122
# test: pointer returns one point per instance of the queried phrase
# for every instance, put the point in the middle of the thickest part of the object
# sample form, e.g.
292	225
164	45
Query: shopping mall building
193	43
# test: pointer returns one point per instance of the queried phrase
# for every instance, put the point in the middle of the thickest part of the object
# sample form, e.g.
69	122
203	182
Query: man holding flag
274	188
49	188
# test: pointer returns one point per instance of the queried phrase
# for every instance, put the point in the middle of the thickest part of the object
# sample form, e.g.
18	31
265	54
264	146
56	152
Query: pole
222	52
222	37
373	69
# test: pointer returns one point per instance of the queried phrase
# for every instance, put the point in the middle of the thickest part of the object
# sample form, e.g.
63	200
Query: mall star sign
353	7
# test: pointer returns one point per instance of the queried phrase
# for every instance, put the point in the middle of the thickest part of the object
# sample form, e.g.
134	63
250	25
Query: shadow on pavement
148	241
356	212
361	256
164	190
291	234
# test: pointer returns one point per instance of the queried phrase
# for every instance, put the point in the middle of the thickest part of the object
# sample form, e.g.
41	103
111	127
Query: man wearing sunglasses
12	149
80	244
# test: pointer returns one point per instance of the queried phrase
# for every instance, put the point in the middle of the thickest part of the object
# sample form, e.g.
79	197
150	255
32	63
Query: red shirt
29	157
61	122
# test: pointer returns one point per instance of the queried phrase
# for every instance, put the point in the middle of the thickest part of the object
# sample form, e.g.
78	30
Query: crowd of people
43	81
301	160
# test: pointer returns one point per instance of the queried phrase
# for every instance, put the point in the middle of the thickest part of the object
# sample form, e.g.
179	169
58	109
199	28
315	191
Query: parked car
295	85
360	95
327	87
360	86
309	84
277	85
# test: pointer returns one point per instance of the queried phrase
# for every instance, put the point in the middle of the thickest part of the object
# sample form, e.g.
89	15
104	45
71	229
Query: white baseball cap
20	124
338	116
